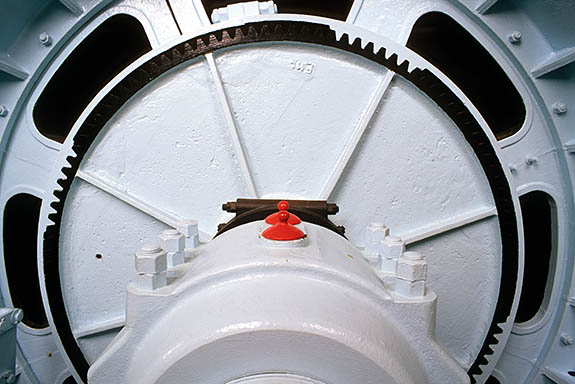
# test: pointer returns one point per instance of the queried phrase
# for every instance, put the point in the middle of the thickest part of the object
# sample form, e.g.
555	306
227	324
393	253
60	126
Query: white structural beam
189	17
231	122
354	11
356	135
135	202
554	61
72	6
447	225
187	24
232	126
7	65
484	6
138	203
201	12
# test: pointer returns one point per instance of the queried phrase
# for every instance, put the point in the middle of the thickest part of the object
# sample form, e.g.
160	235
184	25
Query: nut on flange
173	242
151	264
411	275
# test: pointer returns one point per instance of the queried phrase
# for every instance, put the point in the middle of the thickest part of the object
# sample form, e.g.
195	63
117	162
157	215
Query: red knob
283	216
282	206
283	229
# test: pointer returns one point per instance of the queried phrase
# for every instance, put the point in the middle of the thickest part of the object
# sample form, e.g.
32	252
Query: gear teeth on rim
303	32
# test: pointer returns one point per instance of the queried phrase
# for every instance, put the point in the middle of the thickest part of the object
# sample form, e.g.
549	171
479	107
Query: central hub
278	294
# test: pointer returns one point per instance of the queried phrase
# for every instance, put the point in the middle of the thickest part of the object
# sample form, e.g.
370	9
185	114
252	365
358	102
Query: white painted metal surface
406	129
123	204
244	305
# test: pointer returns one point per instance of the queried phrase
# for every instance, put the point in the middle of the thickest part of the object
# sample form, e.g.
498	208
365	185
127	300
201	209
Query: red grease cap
283	230
274	217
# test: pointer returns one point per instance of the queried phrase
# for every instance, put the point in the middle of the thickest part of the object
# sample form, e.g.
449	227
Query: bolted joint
374	235
230	206
392	248
172	241
515	37
559	108
16	316
151	259
332	209
189	228
3	110
411	274
45	39
242	10
411	266
151	264
567	339
268	8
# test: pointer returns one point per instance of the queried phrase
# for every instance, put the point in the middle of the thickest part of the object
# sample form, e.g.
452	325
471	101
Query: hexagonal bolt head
172	240
151	259
149	281
268	8
374	235
3	110
392	248
559	108
16	316
216	17
175	258
515	37
45	39
567	339
411	266
189	228
411	273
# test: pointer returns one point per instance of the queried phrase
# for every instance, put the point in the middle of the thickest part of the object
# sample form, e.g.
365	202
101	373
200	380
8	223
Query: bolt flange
559	108
515	37
17	316
45	39
567	339
530	160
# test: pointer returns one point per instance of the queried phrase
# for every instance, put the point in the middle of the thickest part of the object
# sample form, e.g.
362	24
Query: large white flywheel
259	105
